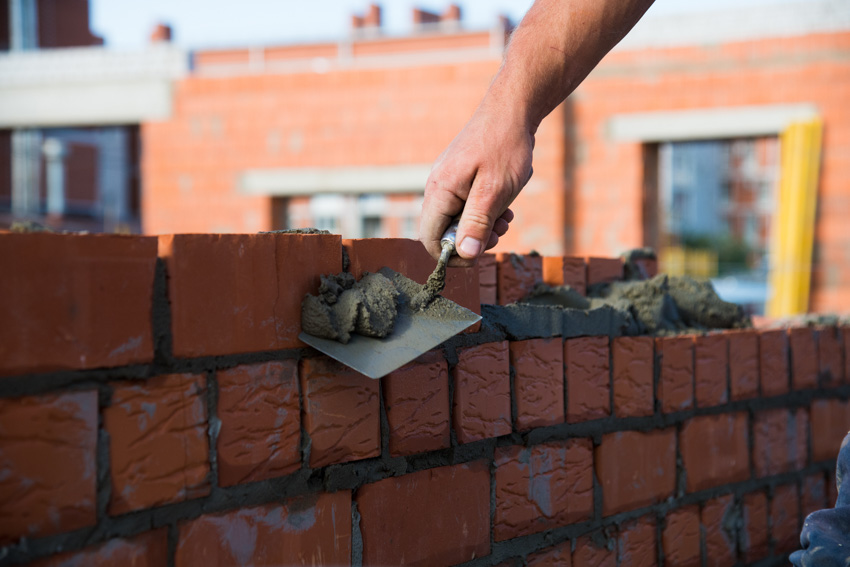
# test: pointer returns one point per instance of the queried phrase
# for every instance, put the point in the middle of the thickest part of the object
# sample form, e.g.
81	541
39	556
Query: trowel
415	331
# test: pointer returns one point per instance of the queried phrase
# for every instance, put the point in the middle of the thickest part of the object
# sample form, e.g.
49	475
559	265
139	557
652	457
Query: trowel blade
414	333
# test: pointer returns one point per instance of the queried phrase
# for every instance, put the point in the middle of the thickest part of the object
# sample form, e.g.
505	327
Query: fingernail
470	247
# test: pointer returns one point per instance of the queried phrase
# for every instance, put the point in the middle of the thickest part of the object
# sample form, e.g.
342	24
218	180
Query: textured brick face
588	378
604	270
482	396
417	402
69	302
754	541
147	550
718	523
487	279
636	545
556	556
711	363
681	537
633	360
830	422
676	382
773	358
309	530
565	270
597	551
239	293
158	446
830	343
438	516
743	364
714	450
517	275
804	358
635	469
49	442
784	510
340	414
260	434
538	382
542	487
780	441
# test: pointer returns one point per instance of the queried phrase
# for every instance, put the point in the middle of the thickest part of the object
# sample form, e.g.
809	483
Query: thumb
480	212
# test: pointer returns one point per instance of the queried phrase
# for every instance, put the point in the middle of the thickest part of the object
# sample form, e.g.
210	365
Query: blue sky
126	24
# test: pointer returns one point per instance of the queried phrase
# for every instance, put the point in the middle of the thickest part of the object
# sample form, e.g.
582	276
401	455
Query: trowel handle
450	236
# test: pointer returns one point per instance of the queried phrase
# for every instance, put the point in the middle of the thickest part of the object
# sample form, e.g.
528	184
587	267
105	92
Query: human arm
484	168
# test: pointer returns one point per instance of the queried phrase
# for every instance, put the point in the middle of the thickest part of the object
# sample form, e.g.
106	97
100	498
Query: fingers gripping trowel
424	321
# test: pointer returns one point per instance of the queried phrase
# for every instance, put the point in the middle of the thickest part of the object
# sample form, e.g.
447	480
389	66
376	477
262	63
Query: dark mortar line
681	472
213	427
751	442
356	536
659	537
103	488
512	390
163	342
384	422
451	356
69	381
492	531
173	540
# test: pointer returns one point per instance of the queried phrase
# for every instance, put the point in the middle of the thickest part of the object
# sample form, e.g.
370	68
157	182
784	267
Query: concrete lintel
311	180
709	123
85	104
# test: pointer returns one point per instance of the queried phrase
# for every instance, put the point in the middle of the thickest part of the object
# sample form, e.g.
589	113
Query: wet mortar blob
433	286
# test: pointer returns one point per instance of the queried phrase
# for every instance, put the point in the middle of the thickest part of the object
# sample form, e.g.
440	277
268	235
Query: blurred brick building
341	135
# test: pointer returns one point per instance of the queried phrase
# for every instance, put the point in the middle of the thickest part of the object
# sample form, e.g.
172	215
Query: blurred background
716	133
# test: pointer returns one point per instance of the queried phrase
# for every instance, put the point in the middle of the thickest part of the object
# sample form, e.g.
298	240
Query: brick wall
157	408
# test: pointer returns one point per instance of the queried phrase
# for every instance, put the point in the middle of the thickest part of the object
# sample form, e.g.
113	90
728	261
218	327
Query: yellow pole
793	231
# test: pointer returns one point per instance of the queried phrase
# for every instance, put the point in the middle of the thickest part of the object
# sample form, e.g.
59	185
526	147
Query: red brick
604	270
636	469
517	276
409	257
743	364
438	516
785	519
158	446
681	536
676	380
718	523
773	359
714	450
711	363
260	418
804	358
813	495
75	301
482	393
309	530
589	552
780	441
538	366
48	450
636	543
341	413
542	487
487	279
588	378
634	362
830	422
830	343
149	549
236	293
565	270
754	541
555	556
416	398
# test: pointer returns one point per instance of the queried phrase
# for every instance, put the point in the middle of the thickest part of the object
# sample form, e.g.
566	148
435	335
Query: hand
478	176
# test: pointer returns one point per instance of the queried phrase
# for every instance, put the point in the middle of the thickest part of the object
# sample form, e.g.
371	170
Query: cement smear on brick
344	306
661	306
433	286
